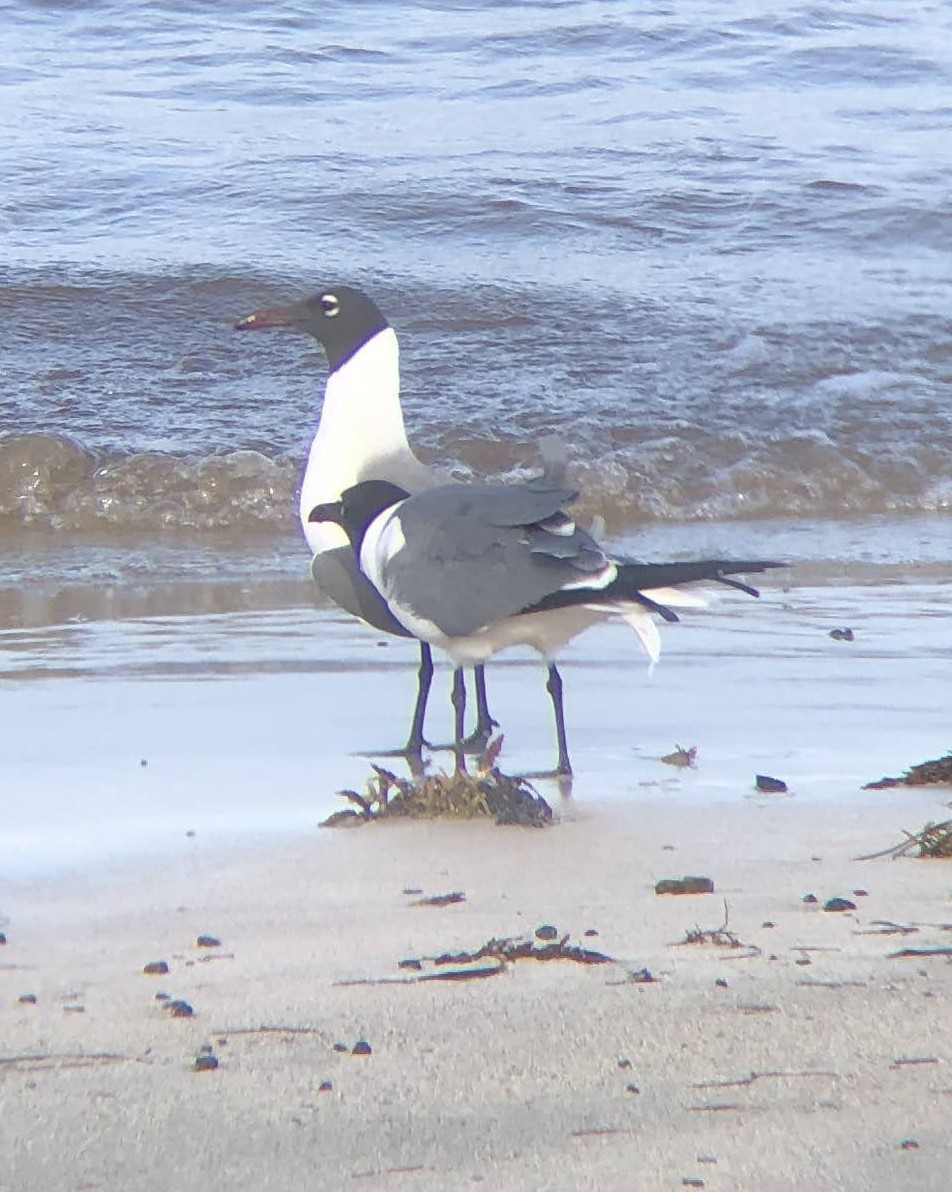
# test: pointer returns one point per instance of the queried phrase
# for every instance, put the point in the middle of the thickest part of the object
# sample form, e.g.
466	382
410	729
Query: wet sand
807	1056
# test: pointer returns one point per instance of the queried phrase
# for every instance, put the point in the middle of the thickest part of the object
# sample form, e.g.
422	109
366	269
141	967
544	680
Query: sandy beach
808	1055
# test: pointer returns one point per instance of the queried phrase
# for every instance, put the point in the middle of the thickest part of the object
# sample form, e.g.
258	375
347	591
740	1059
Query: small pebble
633	1089
766	923
74	1008
810	898
143	761
207	941
410	963
770	786
624	1063
204	1063
3	938
341	1047
546	932
860	893
155	966
721	982
589	932
842	635
27	999
325	1086
803	960
162	997
909	1144
190	832
361	1047
206	1049
642	976
692	1181
839	904
178	1009
412	890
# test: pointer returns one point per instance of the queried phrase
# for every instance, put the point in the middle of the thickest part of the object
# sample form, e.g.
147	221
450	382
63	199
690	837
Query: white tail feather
676	597
644	625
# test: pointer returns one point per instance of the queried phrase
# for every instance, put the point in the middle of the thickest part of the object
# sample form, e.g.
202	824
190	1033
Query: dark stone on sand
590	932
162	997
325	1086
642	976
3	938
624	1063
685	885
176	1008
361	1047
810	898
207	941
204	1062
860	893
632	1089
155	967
410	963
909	1144
842	635
547	932
768	925
342	1047
721	982
770	786
27	999
839	904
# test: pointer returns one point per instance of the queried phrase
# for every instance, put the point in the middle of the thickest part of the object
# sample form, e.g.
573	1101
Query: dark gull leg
459	707
485	724
415	742
554	687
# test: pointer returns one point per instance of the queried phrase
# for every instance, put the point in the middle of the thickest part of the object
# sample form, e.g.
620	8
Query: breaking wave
53	482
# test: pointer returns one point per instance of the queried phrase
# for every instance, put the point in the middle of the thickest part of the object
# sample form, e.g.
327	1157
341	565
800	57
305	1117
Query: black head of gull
339	317
358	507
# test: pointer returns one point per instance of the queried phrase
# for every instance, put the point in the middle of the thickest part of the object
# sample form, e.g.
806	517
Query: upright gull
360	436
474	569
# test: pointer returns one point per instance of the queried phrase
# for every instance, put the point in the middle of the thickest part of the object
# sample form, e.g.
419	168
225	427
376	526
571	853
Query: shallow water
122	737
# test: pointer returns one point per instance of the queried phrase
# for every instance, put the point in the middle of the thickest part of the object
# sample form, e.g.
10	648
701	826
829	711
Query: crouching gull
360	436
475	569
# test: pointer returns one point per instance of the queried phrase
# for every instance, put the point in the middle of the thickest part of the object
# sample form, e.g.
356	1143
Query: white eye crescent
330	305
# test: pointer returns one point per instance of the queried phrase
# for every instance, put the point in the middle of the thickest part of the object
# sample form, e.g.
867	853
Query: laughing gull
475	569
360	436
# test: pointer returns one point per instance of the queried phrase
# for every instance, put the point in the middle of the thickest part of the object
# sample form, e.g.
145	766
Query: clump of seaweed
507	949
937	772
487	794
718	937
934	840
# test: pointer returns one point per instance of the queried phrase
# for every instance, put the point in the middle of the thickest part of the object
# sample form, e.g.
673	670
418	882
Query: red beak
278	316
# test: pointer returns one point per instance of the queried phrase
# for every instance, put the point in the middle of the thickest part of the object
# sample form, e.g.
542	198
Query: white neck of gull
360	436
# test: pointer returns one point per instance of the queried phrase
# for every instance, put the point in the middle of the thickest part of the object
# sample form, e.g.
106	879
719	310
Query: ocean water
707	244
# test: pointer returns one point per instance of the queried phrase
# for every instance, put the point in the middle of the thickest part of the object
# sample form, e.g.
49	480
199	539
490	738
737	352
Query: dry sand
809	1057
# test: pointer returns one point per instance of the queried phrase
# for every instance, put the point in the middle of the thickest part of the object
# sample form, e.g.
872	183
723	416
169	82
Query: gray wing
475	554
337	575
